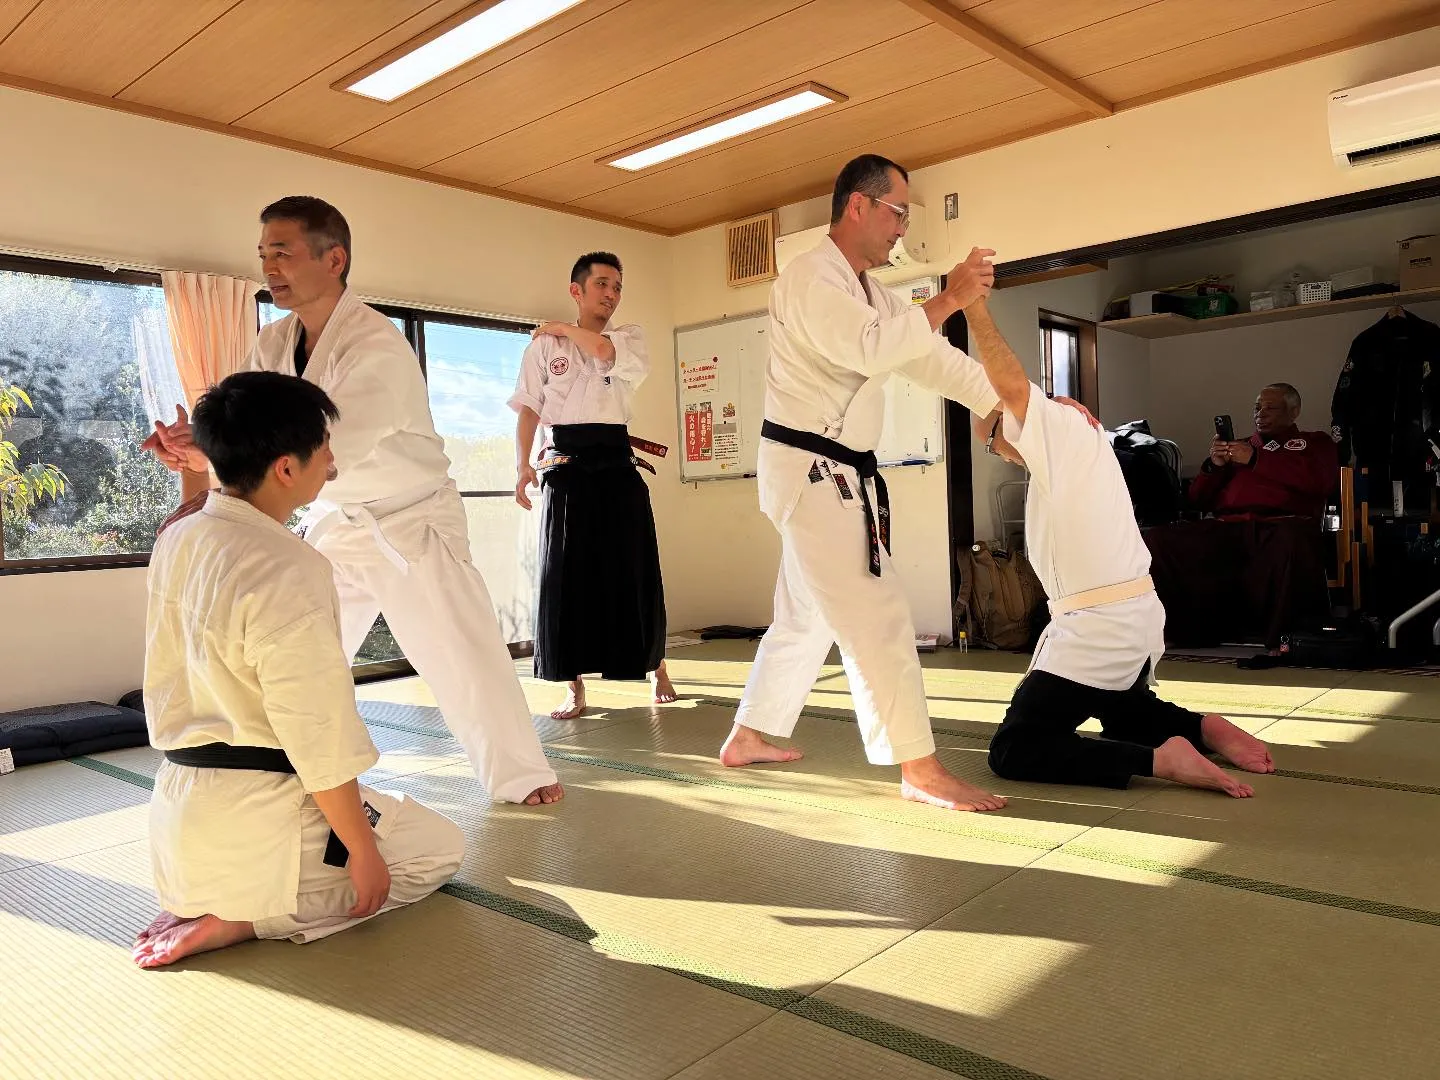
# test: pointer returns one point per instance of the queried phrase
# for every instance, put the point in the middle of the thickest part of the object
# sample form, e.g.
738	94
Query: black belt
592	448
218	755
877	518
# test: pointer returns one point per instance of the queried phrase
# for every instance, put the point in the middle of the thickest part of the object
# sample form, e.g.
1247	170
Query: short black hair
254	418
325	227
869	174
580	272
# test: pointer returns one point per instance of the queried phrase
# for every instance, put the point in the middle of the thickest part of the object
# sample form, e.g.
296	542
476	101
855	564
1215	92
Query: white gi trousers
422	848
826	595
414	565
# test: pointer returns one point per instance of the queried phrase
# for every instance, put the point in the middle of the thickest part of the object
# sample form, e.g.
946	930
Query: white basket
1312	292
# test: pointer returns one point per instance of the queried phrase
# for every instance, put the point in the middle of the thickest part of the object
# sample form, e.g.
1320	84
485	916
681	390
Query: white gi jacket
386	449
834	341
243	647
564	386
1080	534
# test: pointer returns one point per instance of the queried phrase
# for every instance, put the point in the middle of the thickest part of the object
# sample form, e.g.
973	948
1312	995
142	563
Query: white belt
359	515
1106	594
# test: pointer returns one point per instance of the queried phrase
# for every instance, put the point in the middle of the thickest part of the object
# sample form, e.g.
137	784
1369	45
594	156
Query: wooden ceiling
924	81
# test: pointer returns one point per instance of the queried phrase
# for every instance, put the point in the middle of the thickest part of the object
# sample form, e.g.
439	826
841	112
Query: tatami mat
57	809
704	869
442	988
786	1047
1091	972
676	918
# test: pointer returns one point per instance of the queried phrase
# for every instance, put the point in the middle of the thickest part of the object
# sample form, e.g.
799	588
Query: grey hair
1292	396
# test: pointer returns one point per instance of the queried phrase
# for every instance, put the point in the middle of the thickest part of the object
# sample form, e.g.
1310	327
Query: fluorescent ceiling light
458	45
772	110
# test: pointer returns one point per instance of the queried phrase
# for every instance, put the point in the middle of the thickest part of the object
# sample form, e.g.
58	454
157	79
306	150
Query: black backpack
1151	468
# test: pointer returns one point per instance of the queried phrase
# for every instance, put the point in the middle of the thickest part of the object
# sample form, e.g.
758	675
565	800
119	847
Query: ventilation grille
1394	149
750	250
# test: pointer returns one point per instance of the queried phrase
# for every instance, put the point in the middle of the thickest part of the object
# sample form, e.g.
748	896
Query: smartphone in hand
1224	429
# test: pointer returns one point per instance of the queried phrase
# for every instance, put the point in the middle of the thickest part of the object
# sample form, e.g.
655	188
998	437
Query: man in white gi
258	826
393	524
602	602
1107	632
835	337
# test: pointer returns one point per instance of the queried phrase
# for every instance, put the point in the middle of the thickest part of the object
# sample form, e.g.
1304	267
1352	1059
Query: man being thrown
258	826
393	525
835	338
601	604
1097	657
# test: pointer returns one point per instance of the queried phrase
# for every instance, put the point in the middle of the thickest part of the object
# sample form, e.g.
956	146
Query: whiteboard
720	396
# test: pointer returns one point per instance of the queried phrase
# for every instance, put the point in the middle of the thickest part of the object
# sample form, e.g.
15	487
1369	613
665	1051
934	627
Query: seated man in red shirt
1256	568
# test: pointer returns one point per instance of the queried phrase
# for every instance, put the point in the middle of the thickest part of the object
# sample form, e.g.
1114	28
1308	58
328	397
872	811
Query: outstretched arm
1002	366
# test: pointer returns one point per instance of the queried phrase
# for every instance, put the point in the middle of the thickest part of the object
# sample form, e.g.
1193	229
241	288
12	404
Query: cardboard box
1420	263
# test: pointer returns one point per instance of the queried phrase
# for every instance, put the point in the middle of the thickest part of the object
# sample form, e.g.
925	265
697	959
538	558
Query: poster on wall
710	388
699	432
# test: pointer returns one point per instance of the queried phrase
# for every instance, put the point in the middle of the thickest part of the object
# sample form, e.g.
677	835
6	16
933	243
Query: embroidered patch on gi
843	486
815	474
559	365
1272	445
1295	444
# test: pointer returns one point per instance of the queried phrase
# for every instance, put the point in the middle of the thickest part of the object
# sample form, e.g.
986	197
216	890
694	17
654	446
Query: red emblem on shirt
559	365
1296	444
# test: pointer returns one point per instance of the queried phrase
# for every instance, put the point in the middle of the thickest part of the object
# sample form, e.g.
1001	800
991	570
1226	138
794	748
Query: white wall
91	182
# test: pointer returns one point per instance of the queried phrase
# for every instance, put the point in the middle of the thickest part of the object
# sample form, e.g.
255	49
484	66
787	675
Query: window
91	349
1067	359
1060	355
471	366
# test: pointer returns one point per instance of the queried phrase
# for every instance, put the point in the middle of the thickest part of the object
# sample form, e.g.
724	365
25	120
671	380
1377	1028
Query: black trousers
601	608
1038	742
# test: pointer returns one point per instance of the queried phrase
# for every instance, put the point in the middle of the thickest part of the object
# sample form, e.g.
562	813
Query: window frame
25	264
1087	372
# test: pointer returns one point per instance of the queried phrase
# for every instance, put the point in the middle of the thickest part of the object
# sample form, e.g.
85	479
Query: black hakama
602	604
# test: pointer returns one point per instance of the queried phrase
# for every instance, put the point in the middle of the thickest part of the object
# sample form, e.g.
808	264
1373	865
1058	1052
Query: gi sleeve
308	693
954	375
831	322
632	359
530	383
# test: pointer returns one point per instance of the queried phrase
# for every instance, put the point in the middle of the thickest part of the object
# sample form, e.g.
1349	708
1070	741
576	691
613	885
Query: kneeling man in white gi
1107	632
258	826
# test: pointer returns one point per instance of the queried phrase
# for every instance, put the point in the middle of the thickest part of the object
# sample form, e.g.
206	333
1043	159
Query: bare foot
574	702
187	938
1235	745
546	795
746	746
925	780
162	922
1176	759
664	689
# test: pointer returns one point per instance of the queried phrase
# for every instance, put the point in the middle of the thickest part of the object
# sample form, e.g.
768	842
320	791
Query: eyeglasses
902	212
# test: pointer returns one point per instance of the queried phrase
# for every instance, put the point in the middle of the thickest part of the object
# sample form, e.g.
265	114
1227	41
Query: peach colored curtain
213	325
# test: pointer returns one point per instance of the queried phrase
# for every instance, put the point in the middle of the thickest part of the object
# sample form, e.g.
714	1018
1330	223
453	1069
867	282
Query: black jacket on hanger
1387	399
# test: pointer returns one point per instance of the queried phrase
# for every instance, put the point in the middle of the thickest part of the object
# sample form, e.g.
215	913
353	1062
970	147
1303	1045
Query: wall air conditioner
907	258
1382	121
